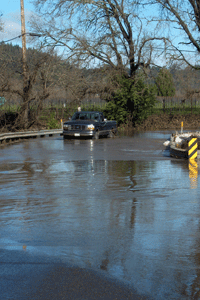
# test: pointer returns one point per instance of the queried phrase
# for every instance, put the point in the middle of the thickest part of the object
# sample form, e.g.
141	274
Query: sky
12	18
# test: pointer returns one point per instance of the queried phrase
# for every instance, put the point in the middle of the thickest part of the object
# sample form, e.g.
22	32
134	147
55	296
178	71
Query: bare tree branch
98	32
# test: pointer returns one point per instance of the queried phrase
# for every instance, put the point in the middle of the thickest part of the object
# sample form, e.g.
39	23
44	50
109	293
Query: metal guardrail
11	136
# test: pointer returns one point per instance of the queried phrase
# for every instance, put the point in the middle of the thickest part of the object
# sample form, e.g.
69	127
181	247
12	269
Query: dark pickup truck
89	124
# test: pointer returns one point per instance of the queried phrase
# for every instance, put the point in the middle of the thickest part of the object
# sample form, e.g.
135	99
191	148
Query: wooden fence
168	104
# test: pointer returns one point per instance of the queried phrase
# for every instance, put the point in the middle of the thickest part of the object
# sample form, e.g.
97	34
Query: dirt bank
166	121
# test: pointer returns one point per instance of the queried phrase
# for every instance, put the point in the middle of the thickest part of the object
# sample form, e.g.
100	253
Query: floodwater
119	206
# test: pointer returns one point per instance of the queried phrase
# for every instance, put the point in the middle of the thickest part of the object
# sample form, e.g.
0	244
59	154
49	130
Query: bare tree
41	68
102	32
184	18
83	84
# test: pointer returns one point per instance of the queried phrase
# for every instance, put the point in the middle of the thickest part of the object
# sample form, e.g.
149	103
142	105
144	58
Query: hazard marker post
193	166
192	148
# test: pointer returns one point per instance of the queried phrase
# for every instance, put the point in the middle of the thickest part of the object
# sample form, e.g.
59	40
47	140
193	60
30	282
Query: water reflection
193	173
192	166
136	220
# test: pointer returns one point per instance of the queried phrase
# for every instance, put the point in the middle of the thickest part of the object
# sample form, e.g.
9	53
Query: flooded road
120	207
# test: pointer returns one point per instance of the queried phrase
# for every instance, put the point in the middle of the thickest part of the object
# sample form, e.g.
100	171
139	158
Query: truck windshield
85	116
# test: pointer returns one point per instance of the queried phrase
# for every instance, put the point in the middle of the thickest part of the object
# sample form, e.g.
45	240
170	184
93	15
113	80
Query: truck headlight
91	127
67	127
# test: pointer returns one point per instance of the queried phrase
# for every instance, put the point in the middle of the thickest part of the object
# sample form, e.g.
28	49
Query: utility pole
27	81
24	66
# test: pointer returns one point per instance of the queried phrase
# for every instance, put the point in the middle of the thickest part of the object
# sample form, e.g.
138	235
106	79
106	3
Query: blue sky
12	19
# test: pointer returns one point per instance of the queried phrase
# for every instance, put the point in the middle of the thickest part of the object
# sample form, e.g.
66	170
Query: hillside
185	79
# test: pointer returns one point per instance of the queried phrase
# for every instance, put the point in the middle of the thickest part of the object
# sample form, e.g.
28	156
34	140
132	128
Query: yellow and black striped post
192	148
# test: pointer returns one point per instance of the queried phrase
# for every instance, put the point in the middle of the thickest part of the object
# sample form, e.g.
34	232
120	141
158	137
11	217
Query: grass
175	111
9	108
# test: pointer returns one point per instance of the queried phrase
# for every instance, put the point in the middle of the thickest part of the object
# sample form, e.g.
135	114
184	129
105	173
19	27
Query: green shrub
132	100
52	123
165	84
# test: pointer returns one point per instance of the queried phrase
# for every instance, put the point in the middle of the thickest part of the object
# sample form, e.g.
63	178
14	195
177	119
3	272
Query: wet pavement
103	219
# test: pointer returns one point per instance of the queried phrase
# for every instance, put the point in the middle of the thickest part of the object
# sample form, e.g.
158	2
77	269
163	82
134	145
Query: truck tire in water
96	135
111	134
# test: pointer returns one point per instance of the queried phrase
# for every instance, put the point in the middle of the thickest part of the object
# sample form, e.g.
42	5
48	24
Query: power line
171	49
19	36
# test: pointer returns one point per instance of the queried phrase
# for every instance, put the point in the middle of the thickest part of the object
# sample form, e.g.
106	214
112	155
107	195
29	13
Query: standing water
121	207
